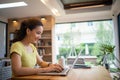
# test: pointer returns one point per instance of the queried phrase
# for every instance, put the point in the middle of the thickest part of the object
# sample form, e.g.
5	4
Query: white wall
3	19
87	16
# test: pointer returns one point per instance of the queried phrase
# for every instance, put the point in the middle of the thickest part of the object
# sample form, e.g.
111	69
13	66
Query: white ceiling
37	8
34	8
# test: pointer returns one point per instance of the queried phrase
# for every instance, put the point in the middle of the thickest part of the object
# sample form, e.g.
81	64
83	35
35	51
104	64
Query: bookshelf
44	45
12	35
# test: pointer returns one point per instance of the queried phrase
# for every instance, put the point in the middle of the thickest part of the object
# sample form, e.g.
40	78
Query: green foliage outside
104	35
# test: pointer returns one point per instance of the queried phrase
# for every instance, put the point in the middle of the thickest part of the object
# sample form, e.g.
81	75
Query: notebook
65	71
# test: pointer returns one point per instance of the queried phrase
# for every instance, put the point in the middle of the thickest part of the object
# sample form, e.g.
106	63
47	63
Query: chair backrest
5	69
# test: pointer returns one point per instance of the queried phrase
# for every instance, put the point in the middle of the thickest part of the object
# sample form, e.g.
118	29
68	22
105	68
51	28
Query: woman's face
35	34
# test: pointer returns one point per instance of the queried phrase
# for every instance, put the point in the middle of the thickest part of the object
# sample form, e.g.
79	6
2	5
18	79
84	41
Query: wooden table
95	73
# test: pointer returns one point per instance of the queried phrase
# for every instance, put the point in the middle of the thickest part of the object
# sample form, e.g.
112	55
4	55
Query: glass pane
72	37
2	40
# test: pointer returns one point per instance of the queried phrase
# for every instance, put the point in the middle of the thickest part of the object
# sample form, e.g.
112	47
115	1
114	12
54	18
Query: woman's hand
54	67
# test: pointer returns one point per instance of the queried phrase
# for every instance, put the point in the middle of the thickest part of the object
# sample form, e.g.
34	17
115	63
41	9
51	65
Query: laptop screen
76	59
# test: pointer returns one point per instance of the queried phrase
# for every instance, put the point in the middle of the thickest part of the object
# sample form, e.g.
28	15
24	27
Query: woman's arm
48	66
18	70
41	63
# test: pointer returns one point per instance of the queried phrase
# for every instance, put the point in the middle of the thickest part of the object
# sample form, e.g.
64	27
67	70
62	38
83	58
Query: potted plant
107	55
106	50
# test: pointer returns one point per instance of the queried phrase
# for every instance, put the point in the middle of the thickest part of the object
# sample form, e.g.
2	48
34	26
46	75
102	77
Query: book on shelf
41	52
41	43
12	36
44	43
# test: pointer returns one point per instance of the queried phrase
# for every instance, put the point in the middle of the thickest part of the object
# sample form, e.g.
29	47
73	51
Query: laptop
64	72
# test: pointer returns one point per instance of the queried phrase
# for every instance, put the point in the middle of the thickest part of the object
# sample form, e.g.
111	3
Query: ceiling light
43	18
14	4
14	20
55	12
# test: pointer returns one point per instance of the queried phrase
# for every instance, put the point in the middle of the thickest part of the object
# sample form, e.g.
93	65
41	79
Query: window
72	37
3	40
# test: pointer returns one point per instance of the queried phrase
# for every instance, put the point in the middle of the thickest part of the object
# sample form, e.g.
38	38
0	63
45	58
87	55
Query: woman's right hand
54	68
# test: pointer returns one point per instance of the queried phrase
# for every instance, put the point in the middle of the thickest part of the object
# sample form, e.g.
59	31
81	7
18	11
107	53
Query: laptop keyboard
65	69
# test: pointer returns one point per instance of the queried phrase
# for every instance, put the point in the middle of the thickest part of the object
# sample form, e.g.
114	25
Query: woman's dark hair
30	24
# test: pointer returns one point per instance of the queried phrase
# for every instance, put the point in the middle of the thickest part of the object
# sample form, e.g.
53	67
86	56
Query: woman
23	53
